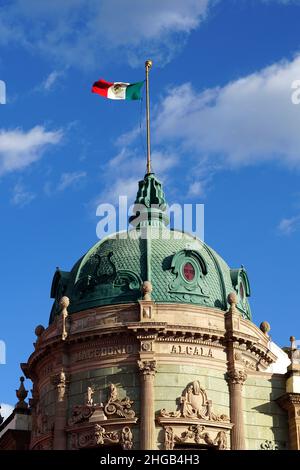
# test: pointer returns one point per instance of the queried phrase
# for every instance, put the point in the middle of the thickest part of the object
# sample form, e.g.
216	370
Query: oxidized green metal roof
114	269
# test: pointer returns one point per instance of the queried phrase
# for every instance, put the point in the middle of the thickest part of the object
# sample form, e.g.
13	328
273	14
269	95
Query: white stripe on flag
117	91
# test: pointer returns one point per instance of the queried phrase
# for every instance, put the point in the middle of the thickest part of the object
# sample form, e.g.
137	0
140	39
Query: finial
293	344
294	352
232	299
150	204
265	327
21	395
147	289
64	304
39	330
148	64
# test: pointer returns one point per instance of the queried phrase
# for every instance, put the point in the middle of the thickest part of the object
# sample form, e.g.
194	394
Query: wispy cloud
249	121
126	162
82	32
19	148
70	179
6	410
289	225
49	83
21	196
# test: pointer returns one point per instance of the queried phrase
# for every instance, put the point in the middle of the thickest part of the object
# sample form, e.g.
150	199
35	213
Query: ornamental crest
194	404
189	283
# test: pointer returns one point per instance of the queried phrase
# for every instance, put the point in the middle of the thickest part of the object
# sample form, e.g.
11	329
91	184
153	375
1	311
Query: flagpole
148	65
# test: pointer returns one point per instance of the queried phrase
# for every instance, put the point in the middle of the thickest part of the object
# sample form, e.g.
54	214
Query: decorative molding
116	407
126	438
113	408
197	434
289	401
42	424
43	444
195	404
98	436
147	367
81	413
64	304
269	445
236	376
104	278
60	381
182	289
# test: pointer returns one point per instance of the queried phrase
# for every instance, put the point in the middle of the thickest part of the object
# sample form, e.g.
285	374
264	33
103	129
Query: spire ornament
21	395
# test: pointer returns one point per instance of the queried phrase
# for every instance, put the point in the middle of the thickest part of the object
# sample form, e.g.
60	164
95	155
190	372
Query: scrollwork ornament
147	367
237	376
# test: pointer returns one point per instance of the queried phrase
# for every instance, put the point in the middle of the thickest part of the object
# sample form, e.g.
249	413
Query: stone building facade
150	345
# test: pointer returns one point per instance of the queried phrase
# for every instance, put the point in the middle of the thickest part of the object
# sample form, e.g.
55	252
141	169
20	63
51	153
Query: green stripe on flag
133	91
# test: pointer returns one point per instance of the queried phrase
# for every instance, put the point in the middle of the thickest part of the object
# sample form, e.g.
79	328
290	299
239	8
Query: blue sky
225	133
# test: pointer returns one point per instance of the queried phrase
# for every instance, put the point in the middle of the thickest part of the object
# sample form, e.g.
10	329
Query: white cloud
289	225
19	148
70	179
21	197
6	410
83	32
250	120
49	83
125	170
196	189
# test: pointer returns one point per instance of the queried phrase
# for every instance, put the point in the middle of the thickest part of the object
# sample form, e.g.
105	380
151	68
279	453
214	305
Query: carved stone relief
112	408
99	436
196	434
194	404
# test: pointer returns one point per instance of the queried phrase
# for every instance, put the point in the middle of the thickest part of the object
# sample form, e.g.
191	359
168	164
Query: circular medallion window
188	272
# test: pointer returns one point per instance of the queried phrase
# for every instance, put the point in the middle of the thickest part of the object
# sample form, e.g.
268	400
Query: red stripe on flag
101	87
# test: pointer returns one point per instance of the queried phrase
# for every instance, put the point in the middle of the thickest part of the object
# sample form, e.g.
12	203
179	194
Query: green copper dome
181	268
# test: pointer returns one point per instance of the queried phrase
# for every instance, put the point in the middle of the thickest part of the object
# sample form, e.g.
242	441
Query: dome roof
181	268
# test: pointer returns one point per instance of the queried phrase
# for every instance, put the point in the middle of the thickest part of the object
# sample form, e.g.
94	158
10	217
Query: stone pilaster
147	422
291	403
59	438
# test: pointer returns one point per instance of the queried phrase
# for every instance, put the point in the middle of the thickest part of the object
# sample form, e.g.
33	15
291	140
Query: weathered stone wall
124	377
172	379
264	419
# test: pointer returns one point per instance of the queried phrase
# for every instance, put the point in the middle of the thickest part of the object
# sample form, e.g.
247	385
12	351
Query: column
290	401
147	423
236	379
236	376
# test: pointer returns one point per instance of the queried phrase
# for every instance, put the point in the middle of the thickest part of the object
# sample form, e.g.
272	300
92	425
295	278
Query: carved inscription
105	351
191	350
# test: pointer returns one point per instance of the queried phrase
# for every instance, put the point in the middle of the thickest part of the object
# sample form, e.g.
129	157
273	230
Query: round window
188	271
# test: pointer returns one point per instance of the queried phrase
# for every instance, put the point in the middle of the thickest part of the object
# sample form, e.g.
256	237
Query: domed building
151	345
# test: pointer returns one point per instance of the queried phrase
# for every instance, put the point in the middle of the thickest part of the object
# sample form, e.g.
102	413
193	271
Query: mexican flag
118	90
